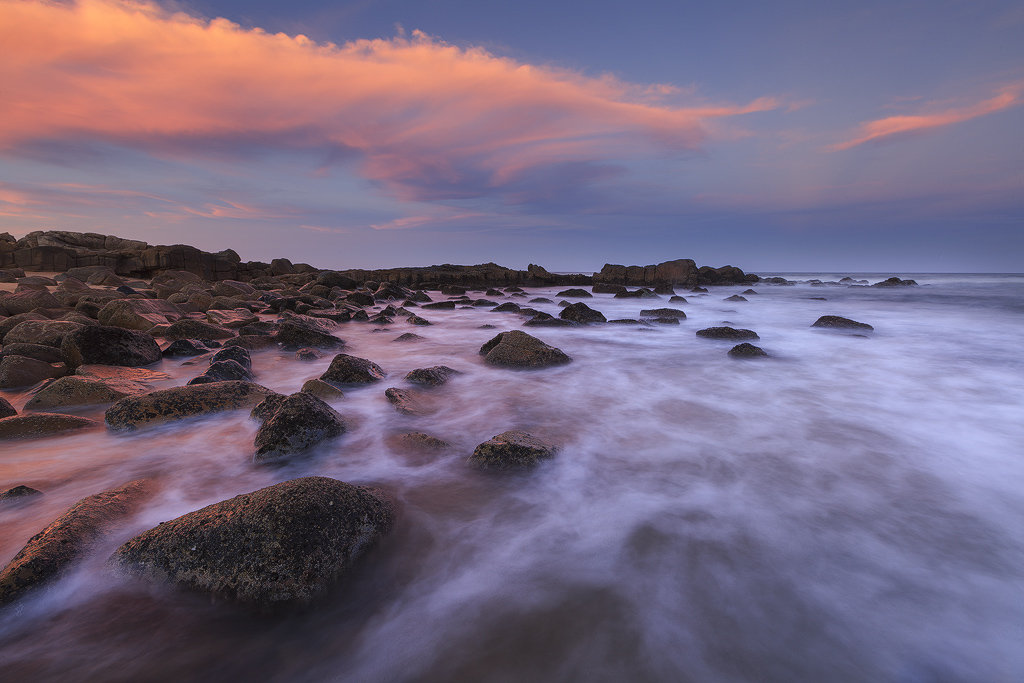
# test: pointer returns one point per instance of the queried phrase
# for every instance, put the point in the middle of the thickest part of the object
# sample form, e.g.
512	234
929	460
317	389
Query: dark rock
735	297
106	345
73	390
178	403
20	371
507	307
642	293
52	551
295	334
47	354
516	349
406	402
512	450
629	321
664	320
416	320
235	353
433	376
541	300
298	423
322	389
346	369
222	371
251	342
44	332
664	289
262	328
440	305
407	337
189	328
839	322
581	313
329	278
231	319
8	324
542	319
139	314
28	301
19	492
727	333
281	545
895	282
185	348
699	290
748	291
6	409
38	425
747	350
663	313
575	293
308	354
418	442
607	288
677	300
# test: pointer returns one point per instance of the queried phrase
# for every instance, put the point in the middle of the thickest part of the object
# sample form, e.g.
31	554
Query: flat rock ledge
53	550
178	403
279	546
511	450
517	349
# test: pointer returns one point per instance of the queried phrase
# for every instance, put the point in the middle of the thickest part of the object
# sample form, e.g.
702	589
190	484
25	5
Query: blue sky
875	136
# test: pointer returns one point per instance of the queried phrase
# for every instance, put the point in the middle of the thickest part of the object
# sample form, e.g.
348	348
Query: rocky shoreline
85	336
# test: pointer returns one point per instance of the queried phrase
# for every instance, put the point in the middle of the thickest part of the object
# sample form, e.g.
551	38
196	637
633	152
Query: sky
784	136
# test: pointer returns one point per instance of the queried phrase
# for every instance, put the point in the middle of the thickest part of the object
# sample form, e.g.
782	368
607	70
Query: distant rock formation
679	272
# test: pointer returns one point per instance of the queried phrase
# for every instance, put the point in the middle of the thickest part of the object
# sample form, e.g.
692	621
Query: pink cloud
889	126
425	118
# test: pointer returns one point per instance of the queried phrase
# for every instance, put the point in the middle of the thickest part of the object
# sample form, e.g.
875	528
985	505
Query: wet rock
53	551
267	407
727	333
263	328
108	345
663	313
895	282
28	301
322	389
20	492
575	293
308	354
839	322
251	342
581	313
346	369
280	545
440	305
222	371
74	390
747	350
677	300
407	337
663	320
185	348
516	349
47	354
419	442
406	402
607	288
699	290
43	332
512	450
642	293
6	409
189	328
416	320
178	403
139	314
542	319
735	297
507	307
235	353
20	371
297	423
8	324
433	376
295	334
38	425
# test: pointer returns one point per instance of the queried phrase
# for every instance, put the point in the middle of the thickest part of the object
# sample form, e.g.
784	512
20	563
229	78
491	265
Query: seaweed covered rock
434	376
179	403
296	424
346	369
517	349
511	450
53	550
281	545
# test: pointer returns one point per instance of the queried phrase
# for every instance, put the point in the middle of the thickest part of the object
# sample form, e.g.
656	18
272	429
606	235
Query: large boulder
346	369
44	332
74	390
107	345
729	333
296	333
233	319
579	312
39	425
138	314
21	371
178	403
189	328
52	551
296	424
278	546
839	322
512	450
28	301
47	354
8	324
516	349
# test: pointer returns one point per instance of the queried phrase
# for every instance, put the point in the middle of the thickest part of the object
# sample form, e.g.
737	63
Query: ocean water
849	509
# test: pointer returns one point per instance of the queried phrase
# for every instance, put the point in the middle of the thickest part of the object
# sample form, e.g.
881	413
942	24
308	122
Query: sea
850	508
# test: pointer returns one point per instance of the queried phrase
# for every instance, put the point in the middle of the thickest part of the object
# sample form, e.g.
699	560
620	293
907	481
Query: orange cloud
897	125
426	118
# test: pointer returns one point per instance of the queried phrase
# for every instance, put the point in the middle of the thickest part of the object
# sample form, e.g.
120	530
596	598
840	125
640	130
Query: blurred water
850	509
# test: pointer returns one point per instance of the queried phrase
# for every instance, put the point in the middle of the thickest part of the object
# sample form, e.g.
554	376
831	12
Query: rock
663	320
607	288
546	320
575	293
440	305
20	371
108	345
267	407
747	350
113	373
677	300
663	313
178	403
727	333
839	322
251	342
581	313
346	369
281	545
139	314
6	409
233	319
19	492
38	425
263	328
322	389
895	282
434	376
735	297
516	349
43	332
511	450
406	402
507	307
299	422
52	551
417	320
189	328
642	293
47	354
235	353
8	324
308	354
222	371
297	333
699	290
74	390
185	348
28	301
748	291
407	337
418	442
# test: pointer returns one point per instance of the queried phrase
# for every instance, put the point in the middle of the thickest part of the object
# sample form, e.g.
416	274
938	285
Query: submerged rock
20	492
747	350
405	401
729	333
407	337
296	424
322	389
281	545
53	550
517	349
179	403
511	450
434	376
575	293
735	297
418	441
579	312
839	322
346	369
663	313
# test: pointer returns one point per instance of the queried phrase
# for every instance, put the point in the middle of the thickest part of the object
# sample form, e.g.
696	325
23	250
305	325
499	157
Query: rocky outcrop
516	349
179	403
52	551
294	425
679	272
105	345
281	545
895	282
512	450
